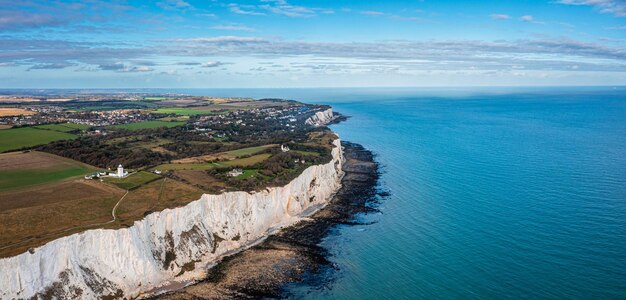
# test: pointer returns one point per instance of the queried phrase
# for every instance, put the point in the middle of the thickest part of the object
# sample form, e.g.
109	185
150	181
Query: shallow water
495	193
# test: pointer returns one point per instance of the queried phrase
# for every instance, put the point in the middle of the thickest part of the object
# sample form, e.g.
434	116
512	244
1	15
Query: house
235	172
284	148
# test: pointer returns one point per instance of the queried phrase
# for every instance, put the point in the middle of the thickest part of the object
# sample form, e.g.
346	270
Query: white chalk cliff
174	245
321	118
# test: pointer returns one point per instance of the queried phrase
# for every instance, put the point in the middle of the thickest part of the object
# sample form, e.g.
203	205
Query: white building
120	172
235	172
284	148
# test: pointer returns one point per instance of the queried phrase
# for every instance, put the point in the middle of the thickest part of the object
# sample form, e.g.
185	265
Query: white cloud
213	64
615	7
500	16
233	27
527	18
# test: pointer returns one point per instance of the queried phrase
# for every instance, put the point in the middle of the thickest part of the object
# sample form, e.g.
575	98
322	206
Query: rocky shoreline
293	255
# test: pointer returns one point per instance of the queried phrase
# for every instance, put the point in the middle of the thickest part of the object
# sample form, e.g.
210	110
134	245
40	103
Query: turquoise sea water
494	194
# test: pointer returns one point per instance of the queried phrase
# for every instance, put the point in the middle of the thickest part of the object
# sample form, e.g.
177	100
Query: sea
494	193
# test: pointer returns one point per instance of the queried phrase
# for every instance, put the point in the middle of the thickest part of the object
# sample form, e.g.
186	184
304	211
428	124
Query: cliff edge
167	248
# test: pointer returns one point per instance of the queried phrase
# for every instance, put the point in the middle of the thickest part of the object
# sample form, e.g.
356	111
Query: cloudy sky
321	43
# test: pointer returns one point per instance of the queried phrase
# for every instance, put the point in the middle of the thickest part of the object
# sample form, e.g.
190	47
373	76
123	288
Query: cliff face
320	118
167	247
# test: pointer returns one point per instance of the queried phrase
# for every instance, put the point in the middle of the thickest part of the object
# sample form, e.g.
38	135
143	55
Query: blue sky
297	43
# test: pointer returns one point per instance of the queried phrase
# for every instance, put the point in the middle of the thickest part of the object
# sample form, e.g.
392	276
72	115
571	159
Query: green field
19	170
66	127
17	138
195	167
133	180
248	161
158	98
306	152
185	111
147	125
248	151
17	179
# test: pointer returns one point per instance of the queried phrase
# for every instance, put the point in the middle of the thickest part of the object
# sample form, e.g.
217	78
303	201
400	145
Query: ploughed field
173	149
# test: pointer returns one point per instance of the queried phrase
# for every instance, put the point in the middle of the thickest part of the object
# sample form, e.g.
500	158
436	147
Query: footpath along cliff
168	247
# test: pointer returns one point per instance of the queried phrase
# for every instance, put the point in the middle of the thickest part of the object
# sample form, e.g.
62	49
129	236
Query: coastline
167	247
293	255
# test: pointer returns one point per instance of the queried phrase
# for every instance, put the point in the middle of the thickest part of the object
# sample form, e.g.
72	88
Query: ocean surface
494	193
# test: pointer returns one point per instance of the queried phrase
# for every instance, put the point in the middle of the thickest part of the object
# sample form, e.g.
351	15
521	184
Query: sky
302	43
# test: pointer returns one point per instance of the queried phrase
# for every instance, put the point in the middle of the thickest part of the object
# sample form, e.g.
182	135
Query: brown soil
9	111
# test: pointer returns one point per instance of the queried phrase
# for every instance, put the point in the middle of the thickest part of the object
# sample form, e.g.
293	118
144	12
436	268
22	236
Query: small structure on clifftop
235	172
284	148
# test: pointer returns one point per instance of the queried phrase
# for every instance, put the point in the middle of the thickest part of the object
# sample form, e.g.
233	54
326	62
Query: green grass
158	98
247	151
147	125
248	173
248	161
22	178
195	167
133	180
306	152
17	138
66	127
184	111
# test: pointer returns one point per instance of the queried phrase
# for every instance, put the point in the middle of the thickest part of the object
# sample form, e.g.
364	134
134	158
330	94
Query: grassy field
248	161
20	170
17	138
132	181
193	166
154	196
306	152
147	125
158	98
66	127
247	151
33	216
184	111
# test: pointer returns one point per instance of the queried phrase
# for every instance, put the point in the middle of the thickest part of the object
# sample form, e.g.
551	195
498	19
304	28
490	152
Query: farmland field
147	125
248	161
20	170
65	127
184	111
10	111
133	180
17	138
247	151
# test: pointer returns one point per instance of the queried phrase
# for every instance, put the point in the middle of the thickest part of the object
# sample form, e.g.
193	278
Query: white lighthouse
120	171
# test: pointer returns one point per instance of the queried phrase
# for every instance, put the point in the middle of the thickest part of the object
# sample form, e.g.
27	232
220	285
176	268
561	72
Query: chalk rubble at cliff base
174	245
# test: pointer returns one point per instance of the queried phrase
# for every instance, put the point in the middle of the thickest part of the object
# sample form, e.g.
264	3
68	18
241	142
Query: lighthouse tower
120	171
